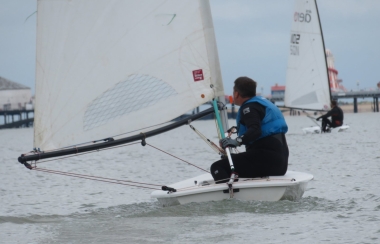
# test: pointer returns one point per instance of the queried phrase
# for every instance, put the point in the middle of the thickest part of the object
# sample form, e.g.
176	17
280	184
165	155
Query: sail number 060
301	17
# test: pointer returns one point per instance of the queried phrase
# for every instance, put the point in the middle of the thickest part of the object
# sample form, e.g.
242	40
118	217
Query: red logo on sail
198	75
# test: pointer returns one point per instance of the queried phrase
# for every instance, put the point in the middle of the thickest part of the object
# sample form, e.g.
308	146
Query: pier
359	94
355	95
16	118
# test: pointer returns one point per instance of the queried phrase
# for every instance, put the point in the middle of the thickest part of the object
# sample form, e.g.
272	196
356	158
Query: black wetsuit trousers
325	122
266	157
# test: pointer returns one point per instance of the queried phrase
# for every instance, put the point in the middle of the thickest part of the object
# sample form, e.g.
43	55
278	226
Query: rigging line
30	16
177	158
74	155
217	129
208	141
98	177
90	178
312	119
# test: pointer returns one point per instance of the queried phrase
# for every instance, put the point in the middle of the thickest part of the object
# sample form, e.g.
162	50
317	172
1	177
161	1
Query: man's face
237	98
235	95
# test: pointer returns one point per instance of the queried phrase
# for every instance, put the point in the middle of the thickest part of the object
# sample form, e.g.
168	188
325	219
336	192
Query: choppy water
341	204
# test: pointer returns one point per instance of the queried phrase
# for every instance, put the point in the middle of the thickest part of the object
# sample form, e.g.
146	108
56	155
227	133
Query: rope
208	141
97	178
103	179
177	158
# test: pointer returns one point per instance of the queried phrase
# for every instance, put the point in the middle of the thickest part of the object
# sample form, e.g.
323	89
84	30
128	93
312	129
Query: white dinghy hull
317	129
203	189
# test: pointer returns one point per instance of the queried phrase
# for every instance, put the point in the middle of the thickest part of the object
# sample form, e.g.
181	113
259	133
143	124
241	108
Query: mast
228	152
223	115
324	48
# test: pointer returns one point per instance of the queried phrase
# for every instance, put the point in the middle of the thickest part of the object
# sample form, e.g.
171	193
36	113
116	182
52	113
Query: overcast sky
252	38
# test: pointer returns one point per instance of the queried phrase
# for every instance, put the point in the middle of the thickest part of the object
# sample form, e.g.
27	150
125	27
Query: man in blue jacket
261	127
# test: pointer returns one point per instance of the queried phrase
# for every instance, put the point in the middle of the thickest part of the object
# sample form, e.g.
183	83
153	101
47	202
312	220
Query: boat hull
288	187
317	129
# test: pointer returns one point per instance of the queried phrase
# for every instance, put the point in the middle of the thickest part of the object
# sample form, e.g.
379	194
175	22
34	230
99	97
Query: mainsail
307	84
109	67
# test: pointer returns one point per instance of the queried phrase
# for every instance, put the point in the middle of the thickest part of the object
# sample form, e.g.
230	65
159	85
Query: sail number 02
294	41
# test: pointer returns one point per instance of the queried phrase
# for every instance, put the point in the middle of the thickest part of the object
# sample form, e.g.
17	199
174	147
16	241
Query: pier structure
16	118
359	94
16	104
355	95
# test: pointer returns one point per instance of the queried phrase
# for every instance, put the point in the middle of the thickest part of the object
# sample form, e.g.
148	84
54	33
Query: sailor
261	127
336	114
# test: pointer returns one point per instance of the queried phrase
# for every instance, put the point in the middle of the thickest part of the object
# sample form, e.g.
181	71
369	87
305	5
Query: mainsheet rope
104	179
97	178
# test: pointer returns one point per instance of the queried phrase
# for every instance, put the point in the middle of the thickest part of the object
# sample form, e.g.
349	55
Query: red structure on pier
335	82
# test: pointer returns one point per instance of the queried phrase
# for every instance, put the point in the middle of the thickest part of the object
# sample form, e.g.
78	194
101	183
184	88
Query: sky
252	38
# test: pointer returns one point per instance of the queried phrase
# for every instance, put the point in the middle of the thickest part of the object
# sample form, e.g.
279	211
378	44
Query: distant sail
307	85
109	67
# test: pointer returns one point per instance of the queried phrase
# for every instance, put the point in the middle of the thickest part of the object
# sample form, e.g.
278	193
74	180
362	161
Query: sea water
341	204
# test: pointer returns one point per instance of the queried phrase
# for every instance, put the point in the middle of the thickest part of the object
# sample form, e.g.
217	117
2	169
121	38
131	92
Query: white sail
108	67
307	84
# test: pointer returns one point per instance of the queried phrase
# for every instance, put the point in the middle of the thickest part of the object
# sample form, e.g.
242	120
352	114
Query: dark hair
245	86
333	102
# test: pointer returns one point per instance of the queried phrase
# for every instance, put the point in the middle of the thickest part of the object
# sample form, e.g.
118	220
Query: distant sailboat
307	81
106	69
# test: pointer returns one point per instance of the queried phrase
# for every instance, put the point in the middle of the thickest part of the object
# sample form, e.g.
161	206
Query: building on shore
14	96
277	92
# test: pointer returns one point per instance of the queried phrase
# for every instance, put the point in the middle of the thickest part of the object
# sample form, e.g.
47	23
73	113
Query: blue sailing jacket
273	122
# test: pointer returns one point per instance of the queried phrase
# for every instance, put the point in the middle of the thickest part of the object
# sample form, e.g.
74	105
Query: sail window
133	94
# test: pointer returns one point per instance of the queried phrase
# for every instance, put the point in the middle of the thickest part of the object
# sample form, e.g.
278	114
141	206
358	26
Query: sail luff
212	51
324	49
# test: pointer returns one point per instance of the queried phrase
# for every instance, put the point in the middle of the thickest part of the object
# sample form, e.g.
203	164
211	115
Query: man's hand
232	130
318	118
228	142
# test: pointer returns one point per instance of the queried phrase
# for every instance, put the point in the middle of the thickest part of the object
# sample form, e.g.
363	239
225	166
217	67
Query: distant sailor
261	127
336	114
